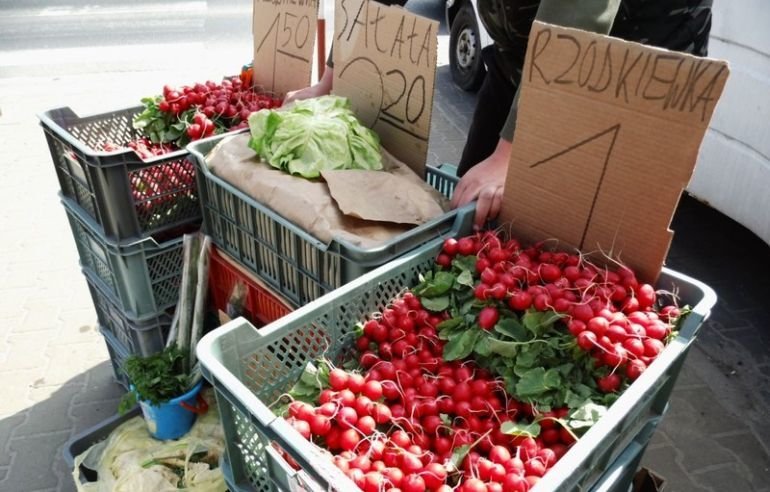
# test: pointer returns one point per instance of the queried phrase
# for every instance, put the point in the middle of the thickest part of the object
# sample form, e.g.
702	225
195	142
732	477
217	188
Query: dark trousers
493	104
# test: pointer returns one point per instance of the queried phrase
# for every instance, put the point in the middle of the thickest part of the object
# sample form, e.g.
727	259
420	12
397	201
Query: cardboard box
607	136
385	63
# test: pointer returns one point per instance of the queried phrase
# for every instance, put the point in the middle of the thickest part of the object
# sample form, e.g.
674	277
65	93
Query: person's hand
306	93
484	183
321	88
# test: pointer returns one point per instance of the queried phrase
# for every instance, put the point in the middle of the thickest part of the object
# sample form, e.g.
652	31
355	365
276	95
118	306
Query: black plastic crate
126	196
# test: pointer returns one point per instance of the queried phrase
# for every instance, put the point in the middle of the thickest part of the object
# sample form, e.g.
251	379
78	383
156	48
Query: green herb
156	378
314	378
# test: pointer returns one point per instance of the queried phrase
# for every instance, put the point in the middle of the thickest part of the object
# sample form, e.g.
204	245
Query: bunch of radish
158	188
191	112
610	312
424	413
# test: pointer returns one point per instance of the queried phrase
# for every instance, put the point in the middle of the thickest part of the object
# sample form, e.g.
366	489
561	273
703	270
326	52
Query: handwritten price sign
385	63
284	35
607	137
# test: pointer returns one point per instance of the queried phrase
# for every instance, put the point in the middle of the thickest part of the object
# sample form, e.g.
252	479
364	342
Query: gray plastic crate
80	442
143	336
294	262
250	369
143	276
118	354
126	196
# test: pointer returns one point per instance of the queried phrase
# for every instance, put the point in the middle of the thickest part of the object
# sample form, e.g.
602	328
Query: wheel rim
466	48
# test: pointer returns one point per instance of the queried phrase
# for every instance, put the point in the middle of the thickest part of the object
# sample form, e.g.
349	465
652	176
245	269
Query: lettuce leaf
314	135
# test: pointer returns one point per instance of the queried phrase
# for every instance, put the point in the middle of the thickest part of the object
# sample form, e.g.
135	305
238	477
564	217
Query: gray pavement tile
665	461
50	415
7	427
752	455
36	457
696	411
99	387
693	420
725	478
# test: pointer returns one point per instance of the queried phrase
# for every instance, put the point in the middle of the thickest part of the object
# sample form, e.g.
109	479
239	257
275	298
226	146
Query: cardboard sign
284	36
385	63
607	137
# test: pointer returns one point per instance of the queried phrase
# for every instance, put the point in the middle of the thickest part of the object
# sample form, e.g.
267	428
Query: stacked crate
127	217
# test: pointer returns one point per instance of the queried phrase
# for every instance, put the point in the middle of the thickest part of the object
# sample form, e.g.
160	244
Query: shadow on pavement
34	438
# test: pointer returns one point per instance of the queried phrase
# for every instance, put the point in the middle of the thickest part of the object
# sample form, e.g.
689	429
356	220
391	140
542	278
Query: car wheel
465	62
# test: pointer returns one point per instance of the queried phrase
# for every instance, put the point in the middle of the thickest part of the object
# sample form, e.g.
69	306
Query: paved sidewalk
57	378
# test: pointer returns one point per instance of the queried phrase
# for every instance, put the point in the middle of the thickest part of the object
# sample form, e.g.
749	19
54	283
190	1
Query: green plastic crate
249	369
295	263
143	276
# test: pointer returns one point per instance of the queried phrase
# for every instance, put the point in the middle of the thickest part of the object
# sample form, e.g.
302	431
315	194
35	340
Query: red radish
488	318
520	300
356	382
302	427
450	246
434	475
474	485
366	425
534	467
652	347
635	368
320	425
499	454
466	246
514	482
609	383
338	379
349	439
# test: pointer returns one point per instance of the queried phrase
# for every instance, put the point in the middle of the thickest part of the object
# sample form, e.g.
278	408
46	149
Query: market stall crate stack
127	214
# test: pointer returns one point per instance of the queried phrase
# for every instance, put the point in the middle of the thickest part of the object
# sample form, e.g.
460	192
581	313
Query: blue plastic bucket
173	419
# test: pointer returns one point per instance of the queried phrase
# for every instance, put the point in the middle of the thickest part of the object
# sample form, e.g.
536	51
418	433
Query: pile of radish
190	112
481	377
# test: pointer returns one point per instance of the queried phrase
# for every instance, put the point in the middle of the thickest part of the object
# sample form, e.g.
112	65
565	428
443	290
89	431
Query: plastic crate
126	196
143	276
250	369
294	262
619	477
80	442
143	336
118	354
261	305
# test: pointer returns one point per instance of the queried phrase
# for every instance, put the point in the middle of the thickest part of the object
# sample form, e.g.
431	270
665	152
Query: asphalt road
80	37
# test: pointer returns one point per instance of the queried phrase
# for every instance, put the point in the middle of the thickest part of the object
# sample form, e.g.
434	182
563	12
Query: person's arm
591	15
484	182
320	88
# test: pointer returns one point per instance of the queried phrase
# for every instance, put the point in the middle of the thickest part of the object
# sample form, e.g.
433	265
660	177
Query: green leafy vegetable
520	429
314	135
156	378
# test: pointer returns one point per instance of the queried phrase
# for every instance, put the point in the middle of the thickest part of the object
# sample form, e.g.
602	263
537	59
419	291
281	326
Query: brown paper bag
309	203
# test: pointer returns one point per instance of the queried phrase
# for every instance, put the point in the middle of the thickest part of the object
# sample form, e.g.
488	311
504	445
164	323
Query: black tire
465	63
